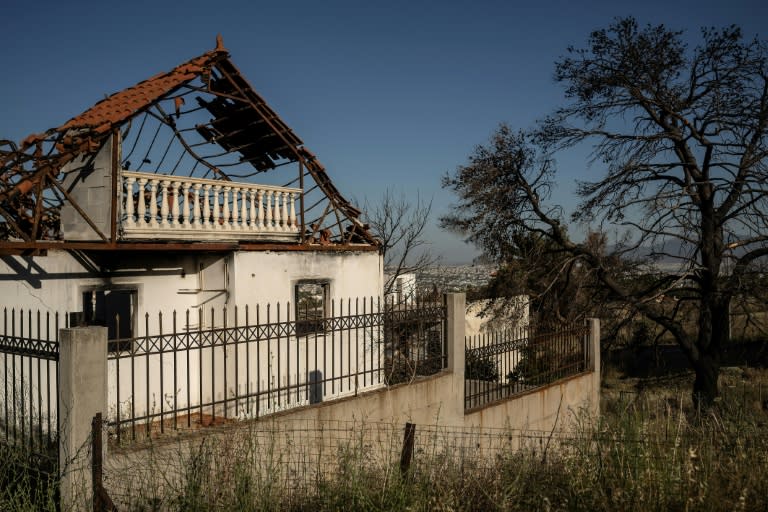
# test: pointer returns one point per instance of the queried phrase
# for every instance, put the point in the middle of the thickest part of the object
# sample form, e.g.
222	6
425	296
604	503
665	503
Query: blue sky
392	94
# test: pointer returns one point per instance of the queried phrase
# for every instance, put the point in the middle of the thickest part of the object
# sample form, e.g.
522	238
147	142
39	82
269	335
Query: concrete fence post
82	394
593	348
455	317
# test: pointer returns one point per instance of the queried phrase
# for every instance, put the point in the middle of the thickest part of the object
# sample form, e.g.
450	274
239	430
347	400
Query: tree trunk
713	336
705	389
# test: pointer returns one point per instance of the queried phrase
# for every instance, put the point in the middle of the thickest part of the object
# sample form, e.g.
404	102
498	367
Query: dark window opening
311	299
113	309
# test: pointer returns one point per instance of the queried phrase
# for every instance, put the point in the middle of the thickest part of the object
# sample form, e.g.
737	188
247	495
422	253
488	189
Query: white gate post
82	394
454	337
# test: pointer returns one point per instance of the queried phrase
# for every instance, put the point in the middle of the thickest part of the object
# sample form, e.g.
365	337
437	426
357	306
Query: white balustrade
173	207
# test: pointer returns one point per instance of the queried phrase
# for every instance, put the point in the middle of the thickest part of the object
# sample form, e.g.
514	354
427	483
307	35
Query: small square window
113	309
311	299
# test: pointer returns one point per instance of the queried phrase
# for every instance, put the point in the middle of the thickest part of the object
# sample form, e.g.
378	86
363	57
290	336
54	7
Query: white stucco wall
165	283
177	282
270	276
511	315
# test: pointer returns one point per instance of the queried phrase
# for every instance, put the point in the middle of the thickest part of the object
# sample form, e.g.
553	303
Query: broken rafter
9	219
242	124
189	150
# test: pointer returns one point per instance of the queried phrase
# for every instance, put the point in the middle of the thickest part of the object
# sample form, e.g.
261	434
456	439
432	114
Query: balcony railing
175	207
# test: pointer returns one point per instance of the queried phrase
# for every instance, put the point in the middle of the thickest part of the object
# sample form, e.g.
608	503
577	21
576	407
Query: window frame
114	343
316	324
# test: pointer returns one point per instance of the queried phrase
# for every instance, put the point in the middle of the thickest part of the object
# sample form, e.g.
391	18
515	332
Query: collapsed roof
201	119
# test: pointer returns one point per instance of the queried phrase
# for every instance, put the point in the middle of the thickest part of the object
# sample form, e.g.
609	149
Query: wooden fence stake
407	454
101	500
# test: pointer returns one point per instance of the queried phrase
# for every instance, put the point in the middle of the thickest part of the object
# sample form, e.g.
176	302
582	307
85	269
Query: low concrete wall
427	401
552	407
543	409
369	419
300	444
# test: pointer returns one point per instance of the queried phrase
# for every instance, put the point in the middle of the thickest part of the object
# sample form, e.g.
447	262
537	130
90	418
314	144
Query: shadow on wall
28	268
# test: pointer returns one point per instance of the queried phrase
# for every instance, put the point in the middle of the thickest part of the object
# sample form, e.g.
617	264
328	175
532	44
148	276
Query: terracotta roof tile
120	106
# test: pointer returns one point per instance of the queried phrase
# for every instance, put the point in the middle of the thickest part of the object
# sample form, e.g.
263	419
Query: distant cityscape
454	278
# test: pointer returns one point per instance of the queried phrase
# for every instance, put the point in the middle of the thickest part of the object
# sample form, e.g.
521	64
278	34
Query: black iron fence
502	364
29	354
209	367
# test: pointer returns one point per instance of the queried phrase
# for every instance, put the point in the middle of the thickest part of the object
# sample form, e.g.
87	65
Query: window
311	299
113	309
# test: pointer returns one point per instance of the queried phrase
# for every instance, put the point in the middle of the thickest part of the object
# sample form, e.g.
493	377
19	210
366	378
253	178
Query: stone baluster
206	218
243	209
225	208
252	198
294	227
174	199
216	222
142	216
284	212
260	211
196	206
164	203
185	210
268	211
235	210
129	222
153	202
276	215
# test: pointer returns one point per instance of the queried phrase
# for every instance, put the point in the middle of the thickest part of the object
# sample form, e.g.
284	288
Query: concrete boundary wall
436	401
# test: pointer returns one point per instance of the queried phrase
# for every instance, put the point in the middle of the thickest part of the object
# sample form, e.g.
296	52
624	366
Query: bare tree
400	224
681	135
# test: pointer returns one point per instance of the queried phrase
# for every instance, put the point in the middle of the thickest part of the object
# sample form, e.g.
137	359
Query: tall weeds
25	484
649	451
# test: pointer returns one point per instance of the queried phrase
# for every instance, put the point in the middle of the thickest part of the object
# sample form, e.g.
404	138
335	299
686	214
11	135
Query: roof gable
200	119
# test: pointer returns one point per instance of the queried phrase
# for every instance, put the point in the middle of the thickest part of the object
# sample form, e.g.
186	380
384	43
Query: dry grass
651	450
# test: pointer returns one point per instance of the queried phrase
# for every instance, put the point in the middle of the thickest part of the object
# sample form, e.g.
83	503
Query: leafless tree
680	134
400	225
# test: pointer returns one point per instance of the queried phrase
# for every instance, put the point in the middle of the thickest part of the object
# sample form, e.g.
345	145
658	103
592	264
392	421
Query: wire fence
287	461
295	455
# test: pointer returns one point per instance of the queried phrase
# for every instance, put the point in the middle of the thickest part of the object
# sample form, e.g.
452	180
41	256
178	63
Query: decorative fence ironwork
204	368
29	355
499	365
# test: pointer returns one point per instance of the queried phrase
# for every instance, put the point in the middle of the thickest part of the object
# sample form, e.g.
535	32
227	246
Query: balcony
179	208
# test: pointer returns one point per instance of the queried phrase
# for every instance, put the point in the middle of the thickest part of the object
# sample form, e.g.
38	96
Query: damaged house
185	192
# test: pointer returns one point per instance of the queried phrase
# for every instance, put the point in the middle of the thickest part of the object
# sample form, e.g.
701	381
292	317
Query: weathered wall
303	440
168	282
90	185
273	274
542	409
57	281
178	281
516	316
430	400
